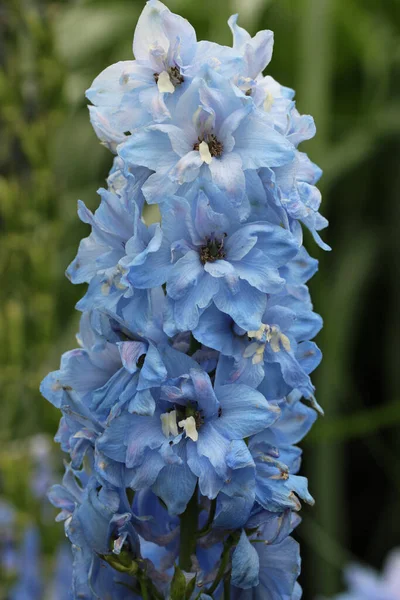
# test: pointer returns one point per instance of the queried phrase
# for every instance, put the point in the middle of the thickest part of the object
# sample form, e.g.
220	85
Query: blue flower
117	229
365	584
298	194
134	92
215	133
277	485
257	51
206	257
97	381
277	357
279	567
30	583
189	436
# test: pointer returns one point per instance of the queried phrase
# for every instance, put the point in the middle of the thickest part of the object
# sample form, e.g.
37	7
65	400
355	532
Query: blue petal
204	392
244	412
254	269
149	147
153	371
246	307
175	485
185	274
157	26
259	145
215	447
279	569
188	309
227	174
245	564
210	483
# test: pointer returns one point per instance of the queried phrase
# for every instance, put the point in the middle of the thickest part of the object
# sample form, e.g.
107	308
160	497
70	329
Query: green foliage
343	58
178	585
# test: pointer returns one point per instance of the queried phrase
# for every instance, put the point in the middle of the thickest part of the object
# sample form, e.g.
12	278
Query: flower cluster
182	407
366	584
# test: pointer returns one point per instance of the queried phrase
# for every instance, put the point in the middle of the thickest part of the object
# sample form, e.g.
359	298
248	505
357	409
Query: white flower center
168	423
189	425
205	153
170	426
267	334
164	83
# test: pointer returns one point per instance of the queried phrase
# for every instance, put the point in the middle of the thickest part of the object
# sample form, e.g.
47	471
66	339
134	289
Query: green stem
189	521
223	564
143	588
204	530
227	587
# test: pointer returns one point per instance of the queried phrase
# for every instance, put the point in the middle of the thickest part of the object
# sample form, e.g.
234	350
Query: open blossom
183	406
204	256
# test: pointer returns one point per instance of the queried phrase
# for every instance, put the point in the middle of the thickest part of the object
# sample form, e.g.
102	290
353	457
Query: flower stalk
182	406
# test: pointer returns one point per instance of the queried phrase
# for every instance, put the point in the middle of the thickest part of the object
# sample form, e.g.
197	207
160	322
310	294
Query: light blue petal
186	273
187	168
246	307
207	221
158	187
149	147
188	309
309	356
245	564
204	392
142	403
149	30
244	412
130	353
210	483
215	447
257	51
227	174
259	145
254	269
175	486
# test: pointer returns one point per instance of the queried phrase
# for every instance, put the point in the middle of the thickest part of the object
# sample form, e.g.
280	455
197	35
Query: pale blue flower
207	257
215	133
366	584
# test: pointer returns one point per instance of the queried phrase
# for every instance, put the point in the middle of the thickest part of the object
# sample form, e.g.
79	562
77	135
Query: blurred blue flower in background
366	584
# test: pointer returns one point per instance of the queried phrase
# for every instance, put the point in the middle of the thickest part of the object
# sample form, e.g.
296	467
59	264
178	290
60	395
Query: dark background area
343	59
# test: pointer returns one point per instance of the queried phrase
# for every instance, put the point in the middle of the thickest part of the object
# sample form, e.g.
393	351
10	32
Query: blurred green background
343	59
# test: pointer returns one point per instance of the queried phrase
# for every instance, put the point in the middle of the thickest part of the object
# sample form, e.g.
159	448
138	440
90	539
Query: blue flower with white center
278	356
98	522
97	381
216	134
189	436
206	257
277	485
117	230
135	92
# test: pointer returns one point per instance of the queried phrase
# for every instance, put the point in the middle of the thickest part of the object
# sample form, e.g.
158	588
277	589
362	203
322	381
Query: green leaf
190	588
178	585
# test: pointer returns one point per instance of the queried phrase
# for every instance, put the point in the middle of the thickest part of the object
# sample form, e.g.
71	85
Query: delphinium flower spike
183	405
